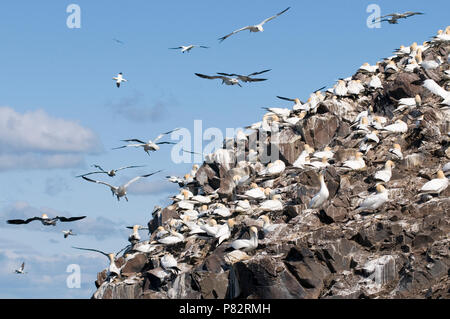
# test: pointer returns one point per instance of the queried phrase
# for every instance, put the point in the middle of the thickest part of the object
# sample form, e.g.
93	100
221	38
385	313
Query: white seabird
320	198
188	48
254	28
119	79
169	263
45	220
435	186
274	168
396	151
436	89
113	269
327	153
375	83
225	80
110	173
398	127
375	201
68	233
173	238
268	226
247	244
366	67
271	205
120	191
20	271
355	164
385	174
149	146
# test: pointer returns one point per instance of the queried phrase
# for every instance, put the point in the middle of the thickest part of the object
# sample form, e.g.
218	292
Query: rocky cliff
398	250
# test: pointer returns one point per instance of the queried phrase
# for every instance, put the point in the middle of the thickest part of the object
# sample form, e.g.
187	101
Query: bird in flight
120	191
68	233
247	78
225	80
254	28
188	48
110	173
394	17
119	79
21	269
118	41
150	146
45	220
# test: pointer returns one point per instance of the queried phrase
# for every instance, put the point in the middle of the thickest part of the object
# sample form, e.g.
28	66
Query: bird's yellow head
380	188
397	147
440	174
231	222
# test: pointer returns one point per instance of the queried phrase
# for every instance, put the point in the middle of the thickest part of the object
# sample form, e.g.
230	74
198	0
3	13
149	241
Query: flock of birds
206	217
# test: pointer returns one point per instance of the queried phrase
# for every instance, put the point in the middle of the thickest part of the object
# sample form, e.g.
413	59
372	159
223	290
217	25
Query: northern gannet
45	220
243	206
428	64
375	201
119	79
173	238
369	141
254	28
385	174
340	88
113	269
298	104
246	78
408	103
319	164
169	263
397	152
120	191
20	271
274	168
221	210
68	233
224	231
394	17
247	244
268	226
435	186
150	146
366	67
398	127
303	158
327	152
135	237
375	82
436	89
255	192
442	36
355	164
391	67
321	197
355	87
188	48
110	173
271	205
225	80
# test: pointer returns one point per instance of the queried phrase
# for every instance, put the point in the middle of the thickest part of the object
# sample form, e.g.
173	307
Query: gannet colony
356	206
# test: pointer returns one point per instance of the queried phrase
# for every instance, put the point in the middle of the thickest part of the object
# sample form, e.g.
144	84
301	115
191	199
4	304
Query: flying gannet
150	146
254	28
188	48
68	233
120	191
225	80
246	78
394	17
110	173
45	220
20	271
119	79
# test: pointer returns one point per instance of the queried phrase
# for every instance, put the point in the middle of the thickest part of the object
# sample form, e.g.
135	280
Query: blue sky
65	113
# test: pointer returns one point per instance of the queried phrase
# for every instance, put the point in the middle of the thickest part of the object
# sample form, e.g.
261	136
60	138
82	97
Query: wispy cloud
135	109
36	140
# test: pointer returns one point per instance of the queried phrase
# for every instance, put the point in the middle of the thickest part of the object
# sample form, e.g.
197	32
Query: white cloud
36	140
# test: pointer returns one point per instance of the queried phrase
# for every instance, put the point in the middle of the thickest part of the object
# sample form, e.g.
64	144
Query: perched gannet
378	122
110	173
221	210
271	205
327	152
391	67
254	28
119	79
246	78
369	141
355	164
188	48
169	263
149	146
355	87
135	237
173	238
21	269
408	103
268	226
397	151
375	82
283	113
303	159
398	127
320	198
442	36
428	64
224	231
247	244
120	191
340	88
68	233
436	89
385	174
366	67
45	220
435	186
255	192
375	201
319	164
243	206
394	17
113	269
274	168
225	80
180	181
210	227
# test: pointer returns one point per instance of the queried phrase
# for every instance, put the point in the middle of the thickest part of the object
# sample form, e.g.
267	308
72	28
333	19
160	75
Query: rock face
400	250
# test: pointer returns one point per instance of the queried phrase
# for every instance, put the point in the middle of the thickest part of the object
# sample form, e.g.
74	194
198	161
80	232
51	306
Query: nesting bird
321	197
435	186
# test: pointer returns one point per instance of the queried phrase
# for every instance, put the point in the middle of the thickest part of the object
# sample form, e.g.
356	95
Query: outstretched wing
175	48
139	177
21	221
23	266
255	80
134	140
202	46
261	72
227	74
234	32
285	98
89	249
209	77
166	133
278	14
91	174
99	167
69	219
98	182
126	167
